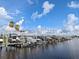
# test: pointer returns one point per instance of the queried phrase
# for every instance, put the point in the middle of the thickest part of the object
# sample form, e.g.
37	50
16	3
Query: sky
30	14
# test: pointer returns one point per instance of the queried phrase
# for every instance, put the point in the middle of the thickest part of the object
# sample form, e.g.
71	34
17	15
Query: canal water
65	50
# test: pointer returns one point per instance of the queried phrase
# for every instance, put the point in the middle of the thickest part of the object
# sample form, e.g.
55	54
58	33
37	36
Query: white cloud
72	19
39	26
77	27
71	24
47	7
21	21
73	4
34	15
16	12
30	2
4	14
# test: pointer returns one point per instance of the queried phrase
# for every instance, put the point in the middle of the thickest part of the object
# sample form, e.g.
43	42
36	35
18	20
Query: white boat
30	39
1	40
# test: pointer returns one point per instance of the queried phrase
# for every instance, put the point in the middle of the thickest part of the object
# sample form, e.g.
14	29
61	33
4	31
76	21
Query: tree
17	27
11	24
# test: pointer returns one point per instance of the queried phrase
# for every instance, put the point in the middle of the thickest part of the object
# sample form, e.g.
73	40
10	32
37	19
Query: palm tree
11	24
17	27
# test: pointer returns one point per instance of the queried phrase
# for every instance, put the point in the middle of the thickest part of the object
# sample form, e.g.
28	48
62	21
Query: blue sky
53	14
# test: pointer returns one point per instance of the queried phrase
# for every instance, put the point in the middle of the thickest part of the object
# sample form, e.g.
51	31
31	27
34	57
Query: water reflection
65	50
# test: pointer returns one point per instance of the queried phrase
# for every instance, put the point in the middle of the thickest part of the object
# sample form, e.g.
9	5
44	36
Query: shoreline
40	40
